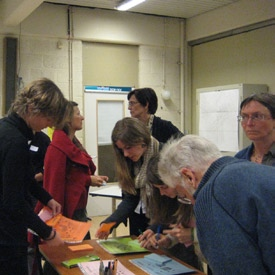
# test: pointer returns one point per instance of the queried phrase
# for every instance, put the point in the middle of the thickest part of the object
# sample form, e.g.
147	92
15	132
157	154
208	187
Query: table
111	191
55	255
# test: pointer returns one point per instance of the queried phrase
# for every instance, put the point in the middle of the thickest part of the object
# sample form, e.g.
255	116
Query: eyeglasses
132	103
183	200
255	118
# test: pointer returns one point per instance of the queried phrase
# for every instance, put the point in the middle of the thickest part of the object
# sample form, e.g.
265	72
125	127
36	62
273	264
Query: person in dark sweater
233	204
143	104
37	106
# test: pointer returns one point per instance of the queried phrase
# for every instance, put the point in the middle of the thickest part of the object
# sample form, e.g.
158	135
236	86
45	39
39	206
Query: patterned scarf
141	179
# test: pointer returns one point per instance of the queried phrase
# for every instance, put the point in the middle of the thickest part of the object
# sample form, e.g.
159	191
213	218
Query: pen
158	233
101	268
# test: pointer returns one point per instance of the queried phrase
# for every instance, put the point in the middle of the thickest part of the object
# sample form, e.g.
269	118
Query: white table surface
112	191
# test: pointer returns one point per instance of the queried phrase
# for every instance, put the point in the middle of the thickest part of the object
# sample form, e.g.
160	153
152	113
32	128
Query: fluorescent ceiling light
128	4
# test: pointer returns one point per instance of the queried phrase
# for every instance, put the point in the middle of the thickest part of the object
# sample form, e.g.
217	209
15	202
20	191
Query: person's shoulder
159	120
162	123
244	153
43	136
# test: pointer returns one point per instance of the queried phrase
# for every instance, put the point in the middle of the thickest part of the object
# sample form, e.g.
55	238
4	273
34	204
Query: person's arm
16	179
124	209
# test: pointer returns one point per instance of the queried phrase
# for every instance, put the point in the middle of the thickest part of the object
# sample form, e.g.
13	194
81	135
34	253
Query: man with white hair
234	204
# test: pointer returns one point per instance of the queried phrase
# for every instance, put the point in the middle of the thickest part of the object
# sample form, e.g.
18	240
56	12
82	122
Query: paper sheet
155	268
92	268
70	231
121	245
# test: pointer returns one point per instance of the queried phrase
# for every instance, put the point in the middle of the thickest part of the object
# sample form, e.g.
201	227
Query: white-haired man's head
184	161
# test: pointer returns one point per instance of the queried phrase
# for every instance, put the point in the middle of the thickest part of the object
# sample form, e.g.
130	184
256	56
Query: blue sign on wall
107	89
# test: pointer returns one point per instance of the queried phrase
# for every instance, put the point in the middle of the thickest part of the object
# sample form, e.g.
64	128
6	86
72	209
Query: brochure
121	245
155	264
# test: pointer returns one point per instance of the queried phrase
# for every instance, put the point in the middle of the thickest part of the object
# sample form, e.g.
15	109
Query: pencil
115	267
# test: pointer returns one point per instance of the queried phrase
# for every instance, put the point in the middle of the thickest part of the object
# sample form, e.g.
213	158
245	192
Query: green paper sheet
121	245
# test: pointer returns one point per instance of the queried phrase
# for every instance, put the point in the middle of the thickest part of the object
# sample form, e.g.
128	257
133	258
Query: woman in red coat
69	172
69	169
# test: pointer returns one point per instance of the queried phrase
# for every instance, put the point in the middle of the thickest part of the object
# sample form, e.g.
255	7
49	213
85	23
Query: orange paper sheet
105	227
80	247
70	231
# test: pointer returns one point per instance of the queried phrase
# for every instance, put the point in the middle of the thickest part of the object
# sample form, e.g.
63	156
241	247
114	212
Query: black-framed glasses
132	103
255	118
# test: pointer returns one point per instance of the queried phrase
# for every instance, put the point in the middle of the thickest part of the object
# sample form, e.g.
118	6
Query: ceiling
171	8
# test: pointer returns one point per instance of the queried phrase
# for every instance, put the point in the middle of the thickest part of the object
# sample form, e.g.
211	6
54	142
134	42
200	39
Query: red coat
67	173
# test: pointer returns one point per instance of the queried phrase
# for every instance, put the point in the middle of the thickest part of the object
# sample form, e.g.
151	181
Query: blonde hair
44	97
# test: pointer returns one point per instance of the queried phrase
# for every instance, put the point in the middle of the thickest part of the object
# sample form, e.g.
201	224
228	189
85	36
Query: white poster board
109	112
218	111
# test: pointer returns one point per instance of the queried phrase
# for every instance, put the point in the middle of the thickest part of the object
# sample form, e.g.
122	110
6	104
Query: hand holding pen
144	238
184	235
157	236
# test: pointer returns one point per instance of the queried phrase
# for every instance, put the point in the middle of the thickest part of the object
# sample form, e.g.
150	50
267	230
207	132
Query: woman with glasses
133	146
143	104
257	117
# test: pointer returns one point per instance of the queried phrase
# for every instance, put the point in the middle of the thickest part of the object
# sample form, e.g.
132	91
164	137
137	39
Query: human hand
38	177
184	235
98	180
54	206
144	237
156	240
56	239
101	233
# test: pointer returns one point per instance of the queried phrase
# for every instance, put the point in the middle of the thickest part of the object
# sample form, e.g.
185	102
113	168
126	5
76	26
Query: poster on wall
218	111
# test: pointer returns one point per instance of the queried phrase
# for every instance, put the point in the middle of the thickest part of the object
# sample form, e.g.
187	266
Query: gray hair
190	151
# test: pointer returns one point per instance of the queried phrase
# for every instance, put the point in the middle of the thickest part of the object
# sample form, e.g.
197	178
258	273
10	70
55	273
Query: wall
238	14
245	58
239	17
39	54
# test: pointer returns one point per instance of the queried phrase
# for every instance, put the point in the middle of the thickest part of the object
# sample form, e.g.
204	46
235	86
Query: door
102	110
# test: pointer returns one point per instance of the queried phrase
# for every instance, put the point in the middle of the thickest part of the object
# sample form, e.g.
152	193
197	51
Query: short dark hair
266	99
144	96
